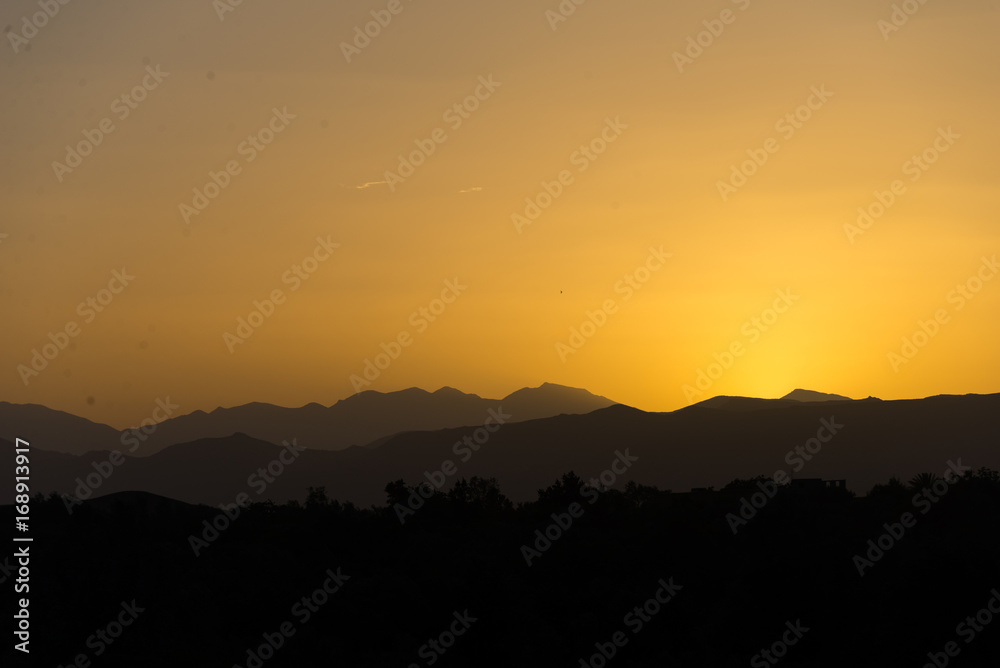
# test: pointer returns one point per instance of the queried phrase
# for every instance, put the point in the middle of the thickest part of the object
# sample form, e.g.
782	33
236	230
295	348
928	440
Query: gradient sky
656	185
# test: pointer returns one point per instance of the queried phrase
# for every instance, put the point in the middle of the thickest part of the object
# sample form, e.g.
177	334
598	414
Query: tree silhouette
922	481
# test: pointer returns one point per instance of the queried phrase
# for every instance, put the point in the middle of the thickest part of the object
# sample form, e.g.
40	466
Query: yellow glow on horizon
655	183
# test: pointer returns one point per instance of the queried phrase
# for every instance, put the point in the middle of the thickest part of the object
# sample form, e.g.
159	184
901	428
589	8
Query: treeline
582	575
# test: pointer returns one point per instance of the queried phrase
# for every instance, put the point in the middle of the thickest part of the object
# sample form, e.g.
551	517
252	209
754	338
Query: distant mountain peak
553	388
806	396
548	399
447	390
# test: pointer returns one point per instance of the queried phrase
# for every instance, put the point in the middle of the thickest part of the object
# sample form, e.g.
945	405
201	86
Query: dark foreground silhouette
748	575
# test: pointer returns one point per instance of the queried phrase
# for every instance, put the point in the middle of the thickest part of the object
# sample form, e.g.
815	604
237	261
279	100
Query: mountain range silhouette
548	431
357	420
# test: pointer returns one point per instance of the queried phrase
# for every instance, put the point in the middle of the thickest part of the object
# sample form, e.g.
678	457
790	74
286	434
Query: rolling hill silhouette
753	403
59	431
810	395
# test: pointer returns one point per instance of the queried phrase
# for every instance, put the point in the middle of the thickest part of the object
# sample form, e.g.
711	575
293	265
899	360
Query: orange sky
612	111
